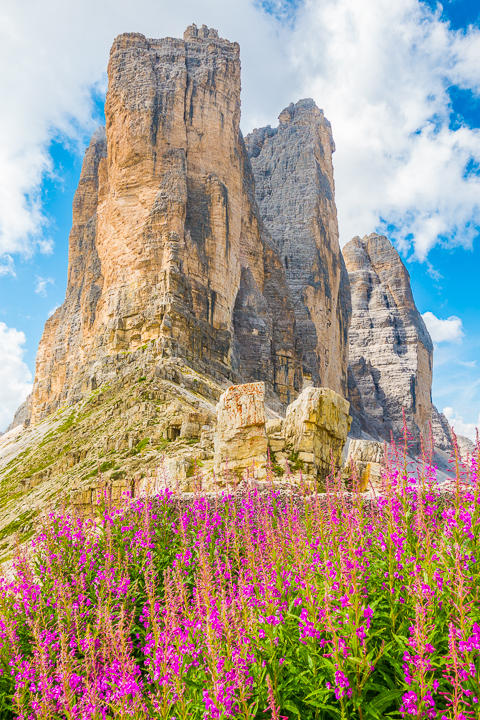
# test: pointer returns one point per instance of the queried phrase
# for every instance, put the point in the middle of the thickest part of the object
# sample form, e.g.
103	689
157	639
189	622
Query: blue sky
38	286
405	117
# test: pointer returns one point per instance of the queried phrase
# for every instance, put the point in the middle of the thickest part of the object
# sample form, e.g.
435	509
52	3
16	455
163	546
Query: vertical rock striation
389	345
444	440
167	246
294	185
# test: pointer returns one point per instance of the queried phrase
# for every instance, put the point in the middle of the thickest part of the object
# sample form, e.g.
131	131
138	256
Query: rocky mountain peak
192	243
305	112
204	33
294	189
168	248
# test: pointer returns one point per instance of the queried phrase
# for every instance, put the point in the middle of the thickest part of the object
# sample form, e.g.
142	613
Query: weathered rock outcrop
167	246
466	447
21	416
316	428
240	438
389	345
294	188
311	436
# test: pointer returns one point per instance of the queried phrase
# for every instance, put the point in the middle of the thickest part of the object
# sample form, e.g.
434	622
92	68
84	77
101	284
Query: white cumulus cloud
461	428
7	266
15	377
449	330
53	53
381	71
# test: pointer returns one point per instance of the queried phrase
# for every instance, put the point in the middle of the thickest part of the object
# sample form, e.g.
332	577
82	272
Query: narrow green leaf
290	705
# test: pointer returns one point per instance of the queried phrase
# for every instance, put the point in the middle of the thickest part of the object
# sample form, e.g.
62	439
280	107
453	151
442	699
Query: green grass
107	465
194	466
139	446
67	424
277	469
294	462
161	446
14	526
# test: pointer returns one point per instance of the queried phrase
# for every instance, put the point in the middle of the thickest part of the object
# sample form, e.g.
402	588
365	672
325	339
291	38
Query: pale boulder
364	459
241	439
316	427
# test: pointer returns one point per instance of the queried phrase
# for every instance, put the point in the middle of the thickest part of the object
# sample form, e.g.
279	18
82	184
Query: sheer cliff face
389	346
64	347
294	184
167	245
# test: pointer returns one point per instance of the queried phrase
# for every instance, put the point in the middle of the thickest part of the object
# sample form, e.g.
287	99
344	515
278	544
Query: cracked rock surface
391	353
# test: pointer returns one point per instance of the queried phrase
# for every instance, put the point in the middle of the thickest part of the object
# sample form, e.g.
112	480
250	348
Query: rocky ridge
171	428
205	275
443	436
295	192
442	432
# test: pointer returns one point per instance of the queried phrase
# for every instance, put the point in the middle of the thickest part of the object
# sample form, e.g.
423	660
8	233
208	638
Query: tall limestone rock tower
389	345
295	192
167	245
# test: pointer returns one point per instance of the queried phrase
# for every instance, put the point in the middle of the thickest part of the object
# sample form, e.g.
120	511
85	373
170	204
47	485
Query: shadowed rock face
294	185
389	345
442	432
167	245
443	437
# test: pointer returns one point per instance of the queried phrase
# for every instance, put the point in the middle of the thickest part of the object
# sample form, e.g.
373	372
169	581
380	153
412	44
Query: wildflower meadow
252	604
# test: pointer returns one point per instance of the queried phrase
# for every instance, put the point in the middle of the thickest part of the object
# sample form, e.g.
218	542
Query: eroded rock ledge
169	427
